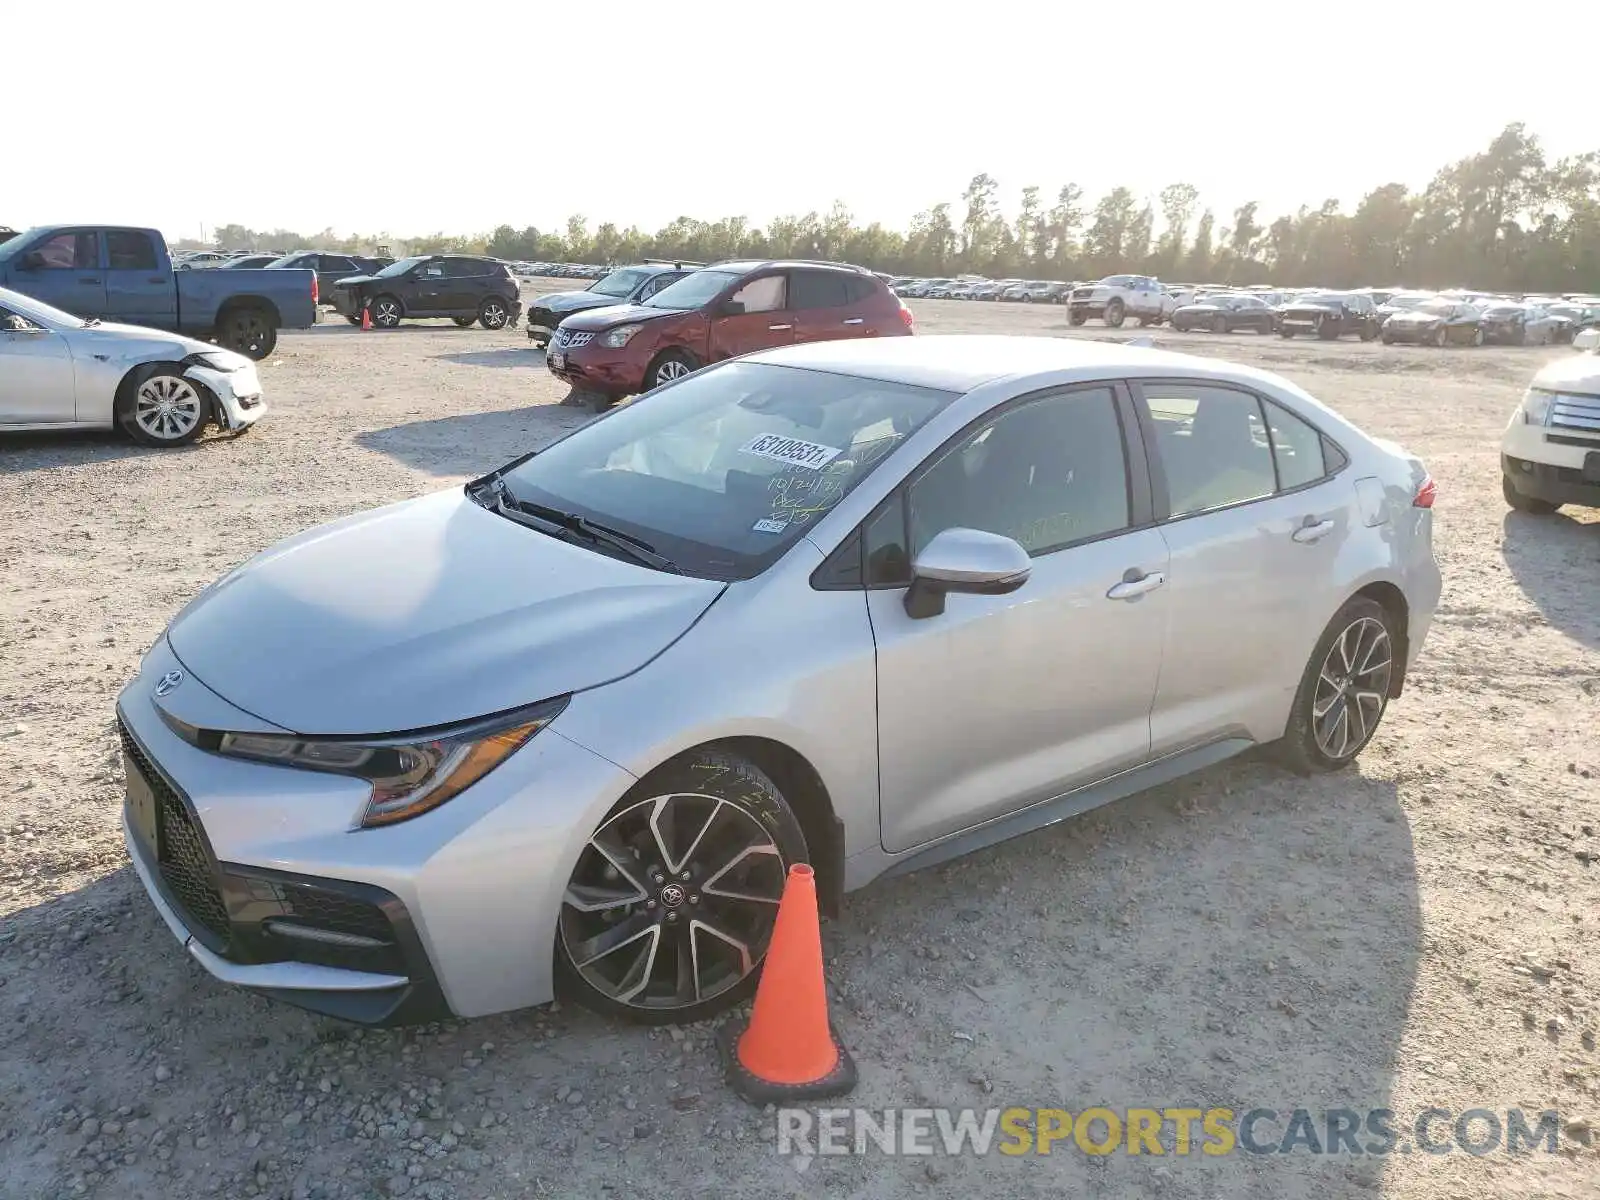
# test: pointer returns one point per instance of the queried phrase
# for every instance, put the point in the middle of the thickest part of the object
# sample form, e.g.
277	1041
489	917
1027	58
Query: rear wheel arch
1394	603
258	303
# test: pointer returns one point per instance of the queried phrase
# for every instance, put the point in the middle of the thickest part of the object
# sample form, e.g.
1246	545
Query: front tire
674	364
1344	692
1524	504
386	312
1076	318
162	408
1219	324
671	904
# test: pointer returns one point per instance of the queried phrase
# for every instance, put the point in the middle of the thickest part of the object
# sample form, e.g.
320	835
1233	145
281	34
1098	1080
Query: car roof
762	264
961	362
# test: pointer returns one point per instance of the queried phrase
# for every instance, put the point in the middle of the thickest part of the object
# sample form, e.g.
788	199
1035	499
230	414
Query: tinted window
724	471
1213	446
885	559
70	252
816	289
1048	473
130	251
337	263
858	288
465	268
1333	458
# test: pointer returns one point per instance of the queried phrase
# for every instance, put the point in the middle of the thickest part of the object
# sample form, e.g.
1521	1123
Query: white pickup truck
1117	297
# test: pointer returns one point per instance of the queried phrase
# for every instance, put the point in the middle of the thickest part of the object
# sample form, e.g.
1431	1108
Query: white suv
1550	454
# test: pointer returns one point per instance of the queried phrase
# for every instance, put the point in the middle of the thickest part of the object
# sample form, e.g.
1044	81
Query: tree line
1507	218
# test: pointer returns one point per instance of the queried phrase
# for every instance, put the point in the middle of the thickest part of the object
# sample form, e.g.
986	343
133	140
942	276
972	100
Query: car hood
1198	308
1413	317
348	280
1321	308
132	341
612	315
425	613
570	302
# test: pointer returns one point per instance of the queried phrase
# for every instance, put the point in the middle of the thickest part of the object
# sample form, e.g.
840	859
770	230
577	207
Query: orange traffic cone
366	318
789	1051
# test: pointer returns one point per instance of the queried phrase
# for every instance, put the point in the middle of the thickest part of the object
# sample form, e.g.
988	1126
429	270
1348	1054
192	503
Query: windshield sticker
769	525
793	451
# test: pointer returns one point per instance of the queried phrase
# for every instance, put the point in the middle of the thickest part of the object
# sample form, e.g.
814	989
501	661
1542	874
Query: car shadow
46	450
1554	560
508	357
1241	939
473	443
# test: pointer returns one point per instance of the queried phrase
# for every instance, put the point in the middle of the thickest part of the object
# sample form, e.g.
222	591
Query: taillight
1425	494
313	287
906	318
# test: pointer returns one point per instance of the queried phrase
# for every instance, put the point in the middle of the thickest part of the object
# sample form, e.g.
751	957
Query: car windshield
620	283
723	472
1322	298
1441	308
404	265
692	290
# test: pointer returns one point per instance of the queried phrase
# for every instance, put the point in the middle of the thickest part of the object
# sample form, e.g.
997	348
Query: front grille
184	865
1083	294
1576	412
566	339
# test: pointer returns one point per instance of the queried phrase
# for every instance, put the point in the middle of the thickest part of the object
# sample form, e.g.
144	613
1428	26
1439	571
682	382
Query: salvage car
120	273
719	312
1224	312
567	726
627	285
1550	451
60	372
463	287
1329	315
1437	322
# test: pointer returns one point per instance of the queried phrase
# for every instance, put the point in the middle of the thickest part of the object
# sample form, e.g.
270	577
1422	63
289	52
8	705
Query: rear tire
464	322
1525	504
1076	318
493	313
1116	311
247	329
1344	691
1219	324
656	863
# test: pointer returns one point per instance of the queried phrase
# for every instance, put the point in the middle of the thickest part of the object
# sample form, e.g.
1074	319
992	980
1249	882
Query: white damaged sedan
58	371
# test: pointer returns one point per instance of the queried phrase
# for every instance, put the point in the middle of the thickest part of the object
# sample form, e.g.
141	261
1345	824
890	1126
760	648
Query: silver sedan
58	371
868	605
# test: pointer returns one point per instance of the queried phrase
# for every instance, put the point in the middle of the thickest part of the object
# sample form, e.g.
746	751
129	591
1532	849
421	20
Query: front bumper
1410	333
452	913
596	368
238	394
1555	484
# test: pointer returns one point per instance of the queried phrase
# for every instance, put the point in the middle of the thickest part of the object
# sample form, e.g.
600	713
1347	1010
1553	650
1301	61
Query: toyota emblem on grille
168	683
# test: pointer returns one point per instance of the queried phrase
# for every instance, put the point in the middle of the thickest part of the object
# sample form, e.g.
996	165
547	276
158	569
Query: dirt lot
1422	931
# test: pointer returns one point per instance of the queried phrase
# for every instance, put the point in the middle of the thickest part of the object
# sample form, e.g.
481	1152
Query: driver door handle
1134	585
1313	530
855	321
780	326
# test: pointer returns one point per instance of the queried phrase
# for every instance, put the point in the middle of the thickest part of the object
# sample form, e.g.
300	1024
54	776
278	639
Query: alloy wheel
1352	688
166	407
672	901
672	368
387	313
494	315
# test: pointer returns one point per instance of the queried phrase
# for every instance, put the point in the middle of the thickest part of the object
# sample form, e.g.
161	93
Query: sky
413	119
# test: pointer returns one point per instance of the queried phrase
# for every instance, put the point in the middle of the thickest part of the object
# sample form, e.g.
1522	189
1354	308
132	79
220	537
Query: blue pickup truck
124	274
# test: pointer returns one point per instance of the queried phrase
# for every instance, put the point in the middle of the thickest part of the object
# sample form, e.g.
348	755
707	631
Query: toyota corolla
864	604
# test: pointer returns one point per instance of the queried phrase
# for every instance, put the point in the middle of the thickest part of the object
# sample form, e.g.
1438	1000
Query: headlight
1535	407
409	775
217	360
617	338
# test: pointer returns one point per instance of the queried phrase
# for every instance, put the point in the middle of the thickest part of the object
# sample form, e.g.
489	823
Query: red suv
721	311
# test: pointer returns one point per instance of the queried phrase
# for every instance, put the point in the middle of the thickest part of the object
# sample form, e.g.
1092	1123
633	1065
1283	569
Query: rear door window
130	250
817	289
1213	446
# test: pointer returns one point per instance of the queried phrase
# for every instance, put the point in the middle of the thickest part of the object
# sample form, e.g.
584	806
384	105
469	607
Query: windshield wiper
504	501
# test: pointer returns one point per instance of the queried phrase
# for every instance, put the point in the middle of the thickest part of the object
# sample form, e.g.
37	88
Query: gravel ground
1419	931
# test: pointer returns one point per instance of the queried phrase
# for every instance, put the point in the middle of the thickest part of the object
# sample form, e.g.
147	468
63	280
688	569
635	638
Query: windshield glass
36	311
1321	298
620	283
1441	308
692	290
723	472
404	265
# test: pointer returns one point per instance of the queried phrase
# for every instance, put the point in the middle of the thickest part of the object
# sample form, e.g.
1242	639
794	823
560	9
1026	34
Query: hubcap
166	407
670	370
672	901
388	313
1352	688
494	316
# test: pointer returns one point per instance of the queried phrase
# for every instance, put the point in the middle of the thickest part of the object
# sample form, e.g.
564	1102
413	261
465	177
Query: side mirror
732	308
31	261
964	560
